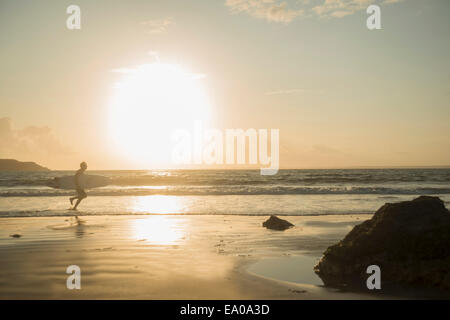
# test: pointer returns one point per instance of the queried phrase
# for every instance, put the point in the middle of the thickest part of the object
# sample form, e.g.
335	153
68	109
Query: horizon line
287	168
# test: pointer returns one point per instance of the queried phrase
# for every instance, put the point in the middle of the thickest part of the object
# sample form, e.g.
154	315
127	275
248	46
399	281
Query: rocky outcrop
14	165
409	241
276	223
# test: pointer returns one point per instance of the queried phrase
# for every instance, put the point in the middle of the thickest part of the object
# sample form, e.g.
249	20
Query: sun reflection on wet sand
159	230
160	204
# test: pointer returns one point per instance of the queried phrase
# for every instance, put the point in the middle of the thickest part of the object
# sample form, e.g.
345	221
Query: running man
81	194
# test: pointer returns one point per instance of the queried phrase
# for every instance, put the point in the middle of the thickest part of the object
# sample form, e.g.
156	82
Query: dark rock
409	241
276	223
15	235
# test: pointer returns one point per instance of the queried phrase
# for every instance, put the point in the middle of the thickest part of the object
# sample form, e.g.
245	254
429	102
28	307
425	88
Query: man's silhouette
81	194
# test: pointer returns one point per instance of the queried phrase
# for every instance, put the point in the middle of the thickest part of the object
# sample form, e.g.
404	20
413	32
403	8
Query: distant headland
15	165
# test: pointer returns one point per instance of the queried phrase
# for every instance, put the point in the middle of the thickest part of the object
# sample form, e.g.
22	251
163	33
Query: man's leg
78	202
73	198
81	195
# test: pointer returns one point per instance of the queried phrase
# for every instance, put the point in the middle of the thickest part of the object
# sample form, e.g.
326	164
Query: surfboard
86	181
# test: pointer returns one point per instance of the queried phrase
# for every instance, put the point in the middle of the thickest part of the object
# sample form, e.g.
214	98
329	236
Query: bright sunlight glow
159	230
159	204
149	104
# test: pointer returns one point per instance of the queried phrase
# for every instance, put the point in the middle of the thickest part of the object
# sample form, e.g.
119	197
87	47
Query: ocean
228	192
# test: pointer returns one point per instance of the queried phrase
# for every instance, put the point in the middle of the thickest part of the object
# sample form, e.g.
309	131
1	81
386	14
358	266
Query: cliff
15	165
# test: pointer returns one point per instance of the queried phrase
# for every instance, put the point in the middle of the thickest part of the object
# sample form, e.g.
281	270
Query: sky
340	94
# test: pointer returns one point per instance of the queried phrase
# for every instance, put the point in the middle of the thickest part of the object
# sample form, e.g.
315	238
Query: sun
151	102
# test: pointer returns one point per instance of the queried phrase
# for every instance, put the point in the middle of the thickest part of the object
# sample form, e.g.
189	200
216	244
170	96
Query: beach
166	257
183	234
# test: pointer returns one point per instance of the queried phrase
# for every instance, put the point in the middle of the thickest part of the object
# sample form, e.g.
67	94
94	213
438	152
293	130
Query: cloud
285	12
392	1
157	26
270	10
280	13
341	13
30	144
340	8
149	67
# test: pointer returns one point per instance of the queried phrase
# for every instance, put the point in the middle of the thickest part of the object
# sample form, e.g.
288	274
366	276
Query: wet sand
168	257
